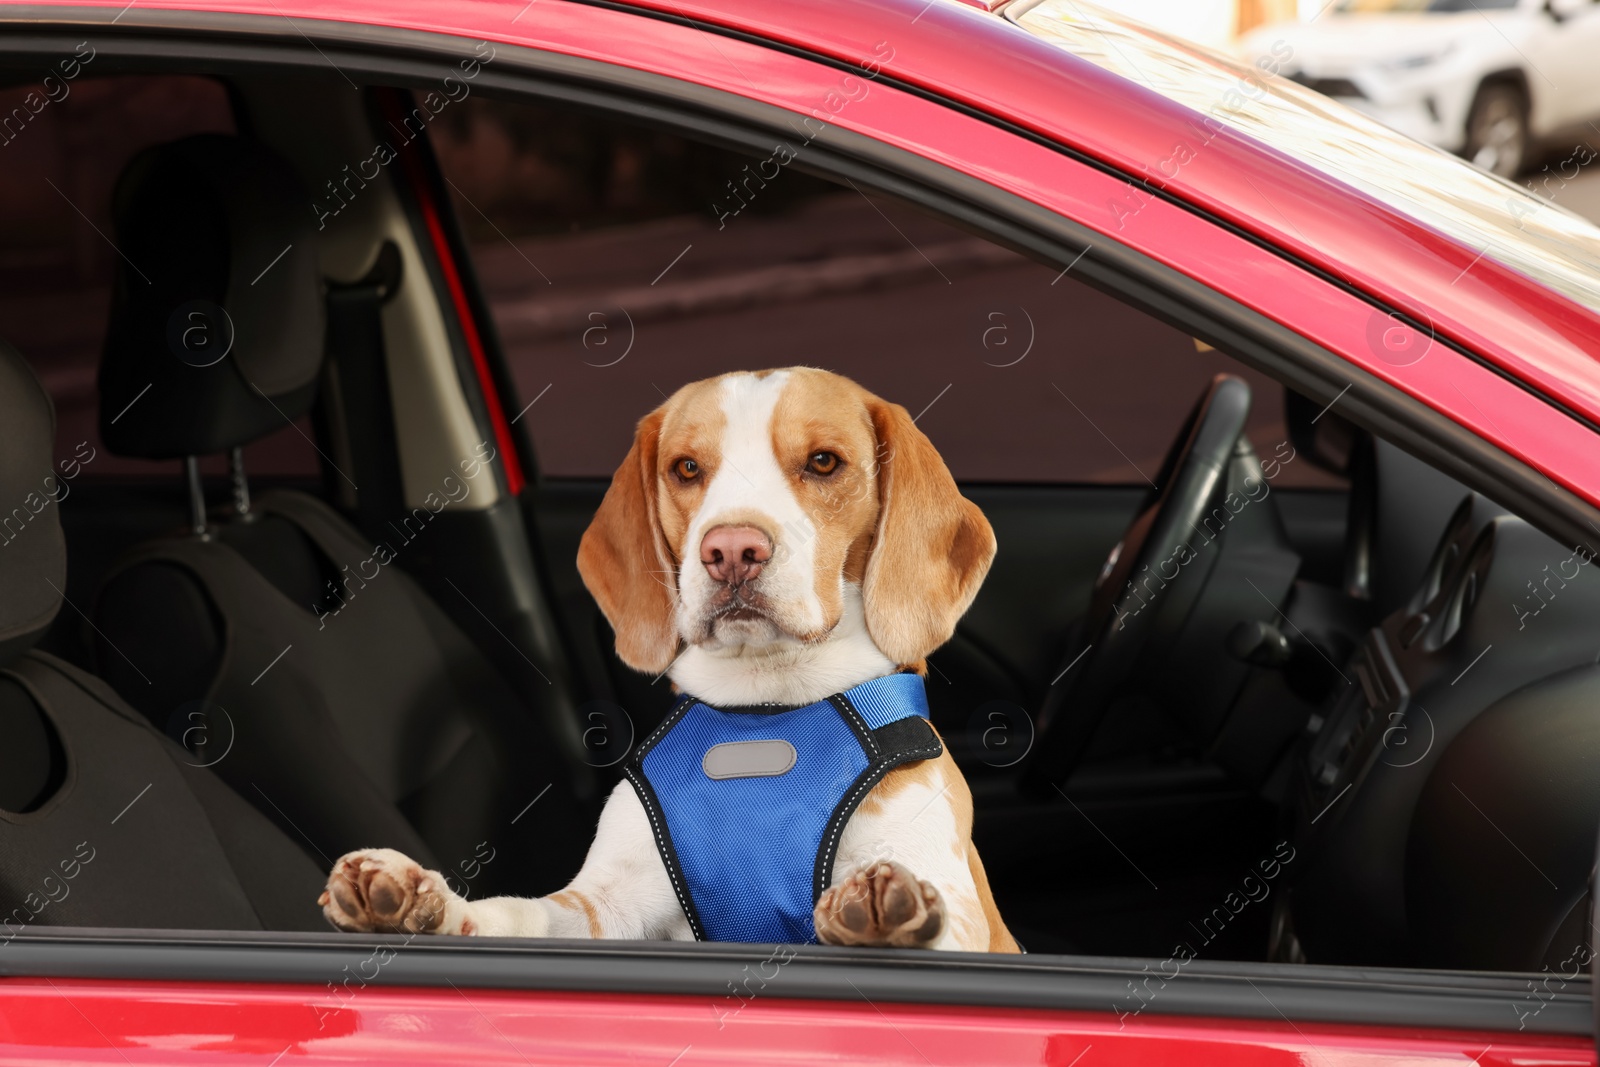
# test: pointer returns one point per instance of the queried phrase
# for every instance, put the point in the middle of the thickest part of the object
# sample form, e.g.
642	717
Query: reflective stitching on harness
665	848
633	770
860	724
871	778
673	715
707	825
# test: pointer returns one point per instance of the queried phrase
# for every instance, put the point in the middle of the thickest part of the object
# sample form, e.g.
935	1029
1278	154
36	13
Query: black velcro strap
907	739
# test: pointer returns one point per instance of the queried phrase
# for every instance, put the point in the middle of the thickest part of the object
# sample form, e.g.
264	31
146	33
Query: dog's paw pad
881	905
380	890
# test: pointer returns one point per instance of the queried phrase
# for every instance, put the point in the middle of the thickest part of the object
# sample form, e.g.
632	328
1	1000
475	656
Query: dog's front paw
381	890
881	905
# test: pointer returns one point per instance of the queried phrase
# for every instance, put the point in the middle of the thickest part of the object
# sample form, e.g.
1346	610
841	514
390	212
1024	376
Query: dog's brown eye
687	469
822	463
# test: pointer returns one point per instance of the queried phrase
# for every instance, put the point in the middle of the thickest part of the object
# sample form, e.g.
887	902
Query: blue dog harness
747	803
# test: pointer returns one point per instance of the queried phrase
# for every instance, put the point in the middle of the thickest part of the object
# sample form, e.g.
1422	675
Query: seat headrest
33	552
216	331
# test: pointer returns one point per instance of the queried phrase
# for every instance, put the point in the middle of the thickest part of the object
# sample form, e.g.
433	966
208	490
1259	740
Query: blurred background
1511	85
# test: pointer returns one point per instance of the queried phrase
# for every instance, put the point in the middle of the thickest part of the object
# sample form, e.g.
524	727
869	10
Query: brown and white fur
761	572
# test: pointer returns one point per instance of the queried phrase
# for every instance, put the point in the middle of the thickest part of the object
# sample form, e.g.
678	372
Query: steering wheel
1149	582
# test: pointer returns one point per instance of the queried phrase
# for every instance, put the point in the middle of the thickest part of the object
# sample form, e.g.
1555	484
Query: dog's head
750	504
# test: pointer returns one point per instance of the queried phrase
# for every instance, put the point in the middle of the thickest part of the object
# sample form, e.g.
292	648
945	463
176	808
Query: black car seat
359	714
104	821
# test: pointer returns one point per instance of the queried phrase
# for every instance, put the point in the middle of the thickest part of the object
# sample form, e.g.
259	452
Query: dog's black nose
734	555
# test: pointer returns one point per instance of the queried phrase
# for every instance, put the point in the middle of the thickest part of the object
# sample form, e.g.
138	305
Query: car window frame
1437	999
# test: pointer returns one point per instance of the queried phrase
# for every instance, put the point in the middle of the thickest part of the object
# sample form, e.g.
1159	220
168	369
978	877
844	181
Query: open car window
620	263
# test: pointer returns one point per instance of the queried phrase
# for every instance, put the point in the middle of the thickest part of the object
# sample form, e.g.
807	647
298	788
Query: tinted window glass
63	143
620	263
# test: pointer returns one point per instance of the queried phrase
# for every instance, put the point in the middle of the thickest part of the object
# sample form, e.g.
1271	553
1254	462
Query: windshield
1350	7
1508	222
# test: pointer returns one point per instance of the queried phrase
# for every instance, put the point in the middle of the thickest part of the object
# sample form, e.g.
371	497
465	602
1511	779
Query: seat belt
358	367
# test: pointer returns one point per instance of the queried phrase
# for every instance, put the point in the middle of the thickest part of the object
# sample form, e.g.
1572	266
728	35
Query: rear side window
64	139
620	263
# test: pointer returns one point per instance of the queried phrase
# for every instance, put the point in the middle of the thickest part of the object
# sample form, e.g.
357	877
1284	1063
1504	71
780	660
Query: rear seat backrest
121	828
363	715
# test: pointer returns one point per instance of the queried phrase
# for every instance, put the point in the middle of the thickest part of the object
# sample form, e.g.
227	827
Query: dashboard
1447	793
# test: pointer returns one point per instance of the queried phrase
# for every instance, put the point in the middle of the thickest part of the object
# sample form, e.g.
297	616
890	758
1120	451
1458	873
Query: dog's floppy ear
625	561
932	547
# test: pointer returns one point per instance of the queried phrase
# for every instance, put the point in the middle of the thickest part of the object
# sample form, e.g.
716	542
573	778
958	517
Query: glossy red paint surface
92	1022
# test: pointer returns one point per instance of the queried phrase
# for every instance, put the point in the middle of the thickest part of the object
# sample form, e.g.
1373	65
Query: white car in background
1493	80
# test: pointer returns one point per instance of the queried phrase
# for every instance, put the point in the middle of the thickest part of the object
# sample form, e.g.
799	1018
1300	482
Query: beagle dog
771	539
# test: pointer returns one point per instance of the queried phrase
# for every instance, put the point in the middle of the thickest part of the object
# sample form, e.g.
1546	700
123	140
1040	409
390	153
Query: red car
1326	792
